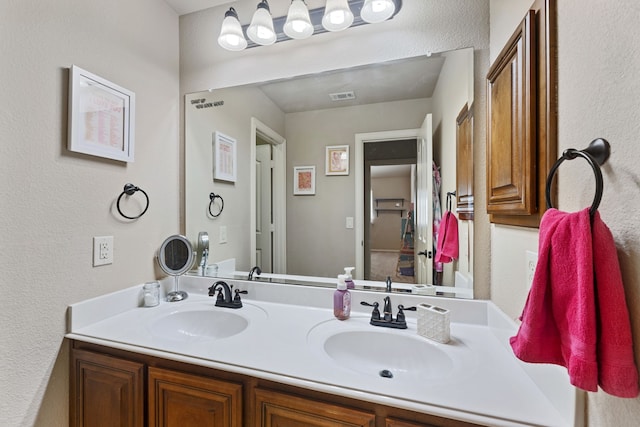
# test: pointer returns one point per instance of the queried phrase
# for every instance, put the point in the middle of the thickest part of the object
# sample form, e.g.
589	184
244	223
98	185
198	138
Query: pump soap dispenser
349	278
342	300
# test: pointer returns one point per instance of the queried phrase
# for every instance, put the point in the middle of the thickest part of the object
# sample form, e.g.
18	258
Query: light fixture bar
315	15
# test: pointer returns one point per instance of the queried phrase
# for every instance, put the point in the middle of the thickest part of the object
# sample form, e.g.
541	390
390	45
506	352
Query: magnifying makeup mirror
175	257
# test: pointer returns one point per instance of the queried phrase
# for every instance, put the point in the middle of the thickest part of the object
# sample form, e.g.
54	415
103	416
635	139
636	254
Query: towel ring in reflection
129	190
212	198
596	154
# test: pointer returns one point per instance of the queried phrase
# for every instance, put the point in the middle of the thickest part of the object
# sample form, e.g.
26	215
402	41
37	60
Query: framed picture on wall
304	180
337	160
101	117
225	159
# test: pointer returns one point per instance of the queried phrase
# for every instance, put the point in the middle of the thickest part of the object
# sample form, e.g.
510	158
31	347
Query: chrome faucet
253	271
389	289
223	298
203	261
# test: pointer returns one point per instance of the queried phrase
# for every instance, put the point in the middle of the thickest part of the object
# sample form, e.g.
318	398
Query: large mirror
371	210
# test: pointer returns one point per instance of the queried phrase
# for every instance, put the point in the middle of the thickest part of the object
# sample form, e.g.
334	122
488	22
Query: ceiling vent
342	96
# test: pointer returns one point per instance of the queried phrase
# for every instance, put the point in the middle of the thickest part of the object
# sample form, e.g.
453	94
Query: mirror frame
190	255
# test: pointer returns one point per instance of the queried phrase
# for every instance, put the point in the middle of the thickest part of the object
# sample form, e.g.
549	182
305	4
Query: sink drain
385	373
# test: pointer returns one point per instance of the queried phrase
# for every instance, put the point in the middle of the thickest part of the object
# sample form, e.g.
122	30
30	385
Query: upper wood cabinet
521	120
511	156
464	163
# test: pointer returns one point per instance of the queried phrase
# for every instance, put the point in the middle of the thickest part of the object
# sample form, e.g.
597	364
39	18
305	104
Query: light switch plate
349	223
223	234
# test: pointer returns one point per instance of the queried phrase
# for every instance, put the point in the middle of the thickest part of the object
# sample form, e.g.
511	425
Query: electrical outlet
531	262
223	234
102	250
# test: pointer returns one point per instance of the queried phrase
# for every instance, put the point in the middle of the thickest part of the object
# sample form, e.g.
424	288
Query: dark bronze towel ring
212	198
596	154
129	190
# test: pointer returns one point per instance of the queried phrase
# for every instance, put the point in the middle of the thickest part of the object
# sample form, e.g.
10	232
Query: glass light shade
261	30
231	36
298	25
337	15
374	11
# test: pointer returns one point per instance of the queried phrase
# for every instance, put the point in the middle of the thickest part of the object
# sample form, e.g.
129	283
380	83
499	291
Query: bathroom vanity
282	359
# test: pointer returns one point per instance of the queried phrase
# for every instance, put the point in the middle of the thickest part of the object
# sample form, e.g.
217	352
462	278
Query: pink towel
569	319
447	245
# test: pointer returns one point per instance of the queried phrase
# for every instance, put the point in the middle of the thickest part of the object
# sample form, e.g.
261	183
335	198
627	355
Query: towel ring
212	198
596	154
129	190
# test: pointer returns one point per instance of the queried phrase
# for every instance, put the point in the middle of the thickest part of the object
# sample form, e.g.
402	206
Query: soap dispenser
349	279
342	300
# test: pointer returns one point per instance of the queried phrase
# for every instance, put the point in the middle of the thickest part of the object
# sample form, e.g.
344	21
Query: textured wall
598	87
598	91
53	202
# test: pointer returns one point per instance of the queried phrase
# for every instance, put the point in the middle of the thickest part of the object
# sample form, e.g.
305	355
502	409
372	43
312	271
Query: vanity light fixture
261	30
300	22
375	11
298	25
231	35
337	15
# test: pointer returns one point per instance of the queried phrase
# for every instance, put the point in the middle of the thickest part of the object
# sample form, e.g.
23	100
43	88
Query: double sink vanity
283	359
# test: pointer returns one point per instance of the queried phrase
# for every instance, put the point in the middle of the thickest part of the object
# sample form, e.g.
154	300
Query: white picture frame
225	158
336	160
101	117
304	180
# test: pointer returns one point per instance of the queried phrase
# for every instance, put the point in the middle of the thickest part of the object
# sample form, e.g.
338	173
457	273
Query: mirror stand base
177	296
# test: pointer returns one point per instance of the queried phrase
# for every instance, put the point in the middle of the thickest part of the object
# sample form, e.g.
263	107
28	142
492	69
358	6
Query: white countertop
485	383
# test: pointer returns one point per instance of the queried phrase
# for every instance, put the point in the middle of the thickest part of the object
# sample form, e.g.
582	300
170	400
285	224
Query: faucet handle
400	318
237	293
375	314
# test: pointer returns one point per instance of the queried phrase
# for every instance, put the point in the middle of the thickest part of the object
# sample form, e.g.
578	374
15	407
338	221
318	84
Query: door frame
279	145
360	140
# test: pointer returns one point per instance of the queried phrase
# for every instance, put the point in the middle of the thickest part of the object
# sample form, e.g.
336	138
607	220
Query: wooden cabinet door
511	127
274	409
177	399
105	391
464	164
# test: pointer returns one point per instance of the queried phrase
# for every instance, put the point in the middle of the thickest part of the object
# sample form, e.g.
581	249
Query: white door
423	257
264	227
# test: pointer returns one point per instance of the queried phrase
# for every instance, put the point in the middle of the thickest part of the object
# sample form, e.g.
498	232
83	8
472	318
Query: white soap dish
433	323
423	290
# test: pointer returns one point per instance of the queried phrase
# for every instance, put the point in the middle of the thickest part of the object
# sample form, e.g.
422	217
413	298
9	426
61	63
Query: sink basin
377	352
199	324
388	355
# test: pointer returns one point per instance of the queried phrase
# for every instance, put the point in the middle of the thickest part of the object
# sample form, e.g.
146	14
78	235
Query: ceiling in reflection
385	82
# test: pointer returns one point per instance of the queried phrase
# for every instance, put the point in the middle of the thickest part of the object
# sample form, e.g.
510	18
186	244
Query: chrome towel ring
596	154
129	190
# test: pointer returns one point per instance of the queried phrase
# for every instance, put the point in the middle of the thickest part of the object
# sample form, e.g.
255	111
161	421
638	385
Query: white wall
55	201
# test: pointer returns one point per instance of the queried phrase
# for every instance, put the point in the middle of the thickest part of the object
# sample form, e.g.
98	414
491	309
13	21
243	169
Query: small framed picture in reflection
304	180
225	160
337	160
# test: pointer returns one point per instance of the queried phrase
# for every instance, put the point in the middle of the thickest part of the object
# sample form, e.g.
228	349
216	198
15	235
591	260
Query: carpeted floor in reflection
384	264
